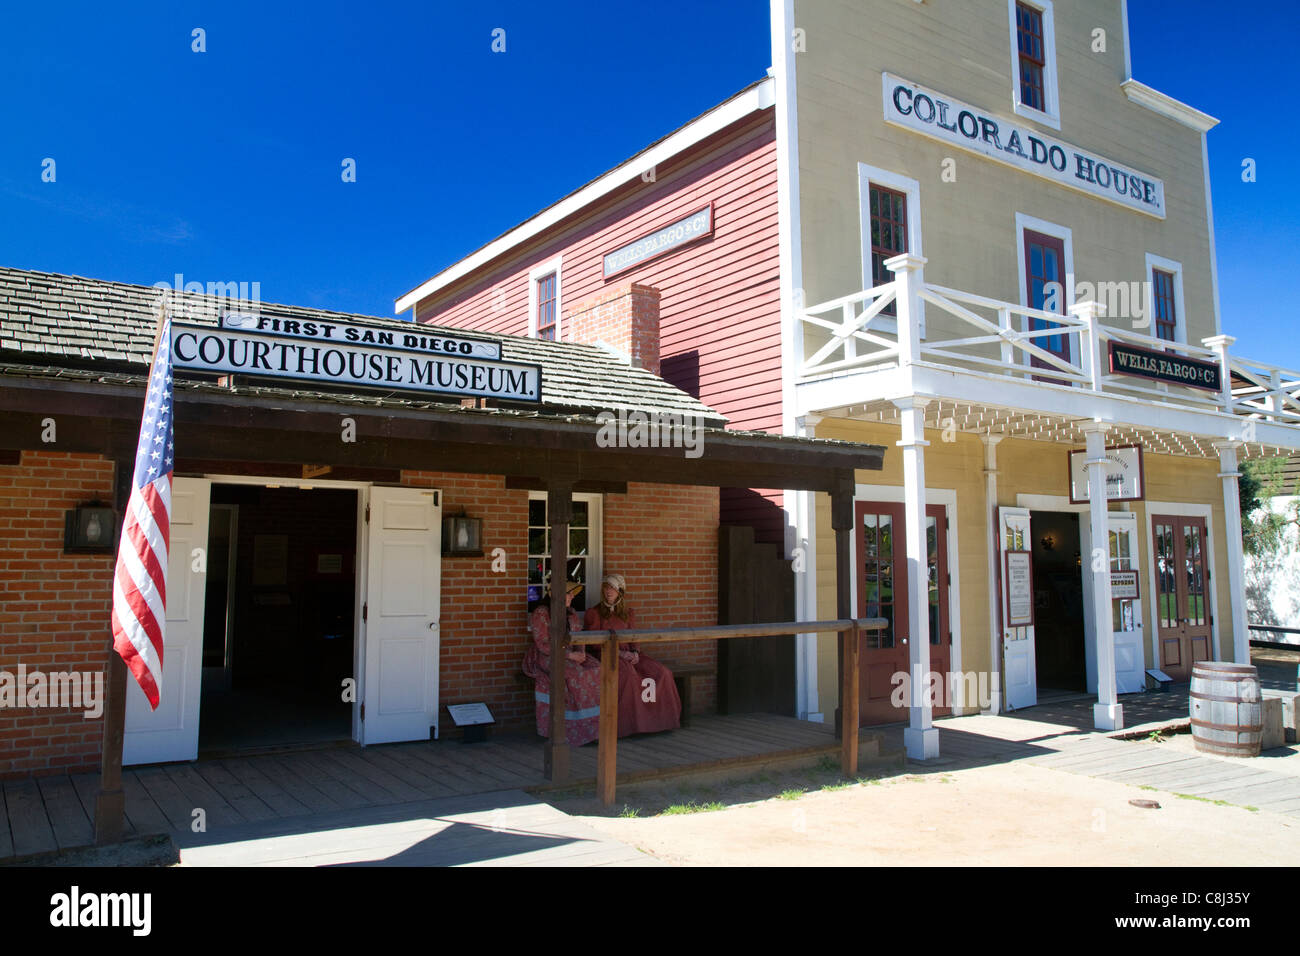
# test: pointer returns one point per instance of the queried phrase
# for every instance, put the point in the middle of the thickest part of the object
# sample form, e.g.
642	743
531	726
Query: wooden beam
842	523
559	512
607	753
587	486
110	800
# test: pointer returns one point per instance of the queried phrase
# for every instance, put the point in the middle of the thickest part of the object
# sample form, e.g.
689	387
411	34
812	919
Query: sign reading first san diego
432	362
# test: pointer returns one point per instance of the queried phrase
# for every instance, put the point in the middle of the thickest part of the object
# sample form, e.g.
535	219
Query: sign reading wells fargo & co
1164	367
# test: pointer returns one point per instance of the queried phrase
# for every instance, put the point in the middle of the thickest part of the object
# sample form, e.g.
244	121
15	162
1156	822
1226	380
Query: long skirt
647	698
581	696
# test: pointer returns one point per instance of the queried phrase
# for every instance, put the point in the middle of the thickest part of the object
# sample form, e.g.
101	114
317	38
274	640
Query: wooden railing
991	338
849	629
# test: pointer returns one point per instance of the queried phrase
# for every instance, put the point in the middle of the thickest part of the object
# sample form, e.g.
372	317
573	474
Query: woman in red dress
581	676
647	695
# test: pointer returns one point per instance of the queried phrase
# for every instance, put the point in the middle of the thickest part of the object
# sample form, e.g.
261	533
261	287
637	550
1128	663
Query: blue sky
225	165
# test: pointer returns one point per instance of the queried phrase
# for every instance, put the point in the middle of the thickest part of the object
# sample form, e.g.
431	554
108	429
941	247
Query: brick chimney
625	318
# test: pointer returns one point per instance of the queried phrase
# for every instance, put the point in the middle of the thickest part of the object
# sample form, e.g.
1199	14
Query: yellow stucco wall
962	48
1024	467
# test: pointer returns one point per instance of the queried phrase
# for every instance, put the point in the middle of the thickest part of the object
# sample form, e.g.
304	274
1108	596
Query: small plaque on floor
473	719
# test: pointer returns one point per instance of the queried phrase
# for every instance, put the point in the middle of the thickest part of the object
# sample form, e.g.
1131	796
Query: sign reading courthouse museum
925	111
236	351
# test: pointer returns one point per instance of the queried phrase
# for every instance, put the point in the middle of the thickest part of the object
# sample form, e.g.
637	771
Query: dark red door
1045	284
1183	616
882	592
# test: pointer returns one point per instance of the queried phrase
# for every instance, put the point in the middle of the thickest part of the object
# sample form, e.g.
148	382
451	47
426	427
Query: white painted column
920	739
1236	562
1107	713
804	554
991	544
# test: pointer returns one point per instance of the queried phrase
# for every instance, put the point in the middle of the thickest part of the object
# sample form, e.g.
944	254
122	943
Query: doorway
278	635
1058	602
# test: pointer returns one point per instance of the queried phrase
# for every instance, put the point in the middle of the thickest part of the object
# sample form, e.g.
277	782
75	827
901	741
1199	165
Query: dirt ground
1007	814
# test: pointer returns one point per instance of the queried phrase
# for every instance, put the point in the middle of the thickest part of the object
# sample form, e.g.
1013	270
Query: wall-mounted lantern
462	535
90	529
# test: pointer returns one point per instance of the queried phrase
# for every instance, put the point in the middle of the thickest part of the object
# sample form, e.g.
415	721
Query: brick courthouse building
307	539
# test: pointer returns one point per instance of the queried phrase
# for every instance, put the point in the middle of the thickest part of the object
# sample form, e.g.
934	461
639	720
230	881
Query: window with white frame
585	551
1165	316
891	225
1033	61
544	301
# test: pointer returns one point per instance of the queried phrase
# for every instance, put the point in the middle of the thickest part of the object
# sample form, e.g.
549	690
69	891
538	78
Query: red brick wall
663	538
54	608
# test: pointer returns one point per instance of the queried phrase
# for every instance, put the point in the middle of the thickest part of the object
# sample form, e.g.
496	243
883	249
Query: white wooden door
172	731
400	700
1019	661
1126	612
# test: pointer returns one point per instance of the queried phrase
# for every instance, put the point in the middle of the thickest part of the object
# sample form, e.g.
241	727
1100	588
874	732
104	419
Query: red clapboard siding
719	307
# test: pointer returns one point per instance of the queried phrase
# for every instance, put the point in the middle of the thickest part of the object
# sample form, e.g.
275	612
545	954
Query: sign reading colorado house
210	349
924	111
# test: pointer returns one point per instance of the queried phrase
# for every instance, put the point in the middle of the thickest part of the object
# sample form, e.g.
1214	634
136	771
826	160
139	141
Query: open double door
397	624
1121	559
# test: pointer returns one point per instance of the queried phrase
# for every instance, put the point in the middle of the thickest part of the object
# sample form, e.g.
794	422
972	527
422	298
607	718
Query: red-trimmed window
888	210
1033	56
546	307
1162	297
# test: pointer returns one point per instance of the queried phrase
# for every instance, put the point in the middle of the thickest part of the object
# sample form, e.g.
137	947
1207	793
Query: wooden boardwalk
48	814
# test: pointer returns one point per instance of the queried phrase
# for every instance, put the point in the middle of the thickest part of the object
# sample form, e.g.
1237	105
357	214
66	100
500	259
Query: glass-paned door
1183	614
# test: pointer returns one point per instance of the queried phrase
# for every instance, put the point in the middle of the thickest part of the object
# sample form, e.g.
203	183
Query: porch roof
77	350
69	322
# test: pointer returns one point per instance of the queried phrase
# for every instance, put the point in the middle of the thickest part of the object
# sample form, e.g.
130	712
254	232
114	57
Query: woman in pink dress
647	695
581	676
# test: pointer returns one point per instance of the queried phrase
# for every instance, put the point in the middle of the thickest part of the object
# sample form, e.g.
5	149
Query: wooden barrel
1227	716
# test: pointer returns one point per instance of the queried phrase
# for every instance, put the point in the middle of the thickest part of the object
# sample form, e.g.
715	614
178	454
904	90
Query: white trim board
758	97
1190	510
947	497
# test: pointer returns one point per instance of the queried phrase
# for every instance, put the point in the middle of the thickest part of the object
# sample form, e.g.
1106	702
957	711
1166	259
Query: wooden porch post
559	512
110	801
850	639
607	754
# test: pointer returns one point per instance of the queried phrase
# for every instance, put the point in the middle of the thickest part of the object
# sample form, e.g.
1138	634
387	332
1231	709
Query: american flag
140	583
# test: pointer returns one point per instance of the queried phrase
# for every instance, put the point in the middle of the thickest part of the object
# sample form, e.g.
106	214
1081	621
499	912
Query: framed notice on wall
1019	589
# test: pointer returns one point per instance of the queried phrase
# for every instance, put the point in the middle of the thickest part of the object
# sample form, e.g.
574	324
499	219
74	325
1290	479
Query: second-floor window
1033	58
888	210
1164	305
1033	61
546	307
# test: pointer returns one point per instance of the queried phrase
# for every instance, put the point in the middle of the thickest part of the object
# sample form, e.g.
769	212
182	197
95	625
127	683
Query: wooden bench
686	677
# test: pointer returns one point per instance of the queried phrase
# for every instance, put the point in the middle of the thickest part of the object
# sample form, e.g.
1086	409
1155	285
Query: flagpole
110	801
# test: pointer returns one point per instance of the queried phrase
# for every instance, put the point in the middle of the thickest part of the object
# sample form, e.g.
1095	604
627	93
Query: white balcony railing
994	338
